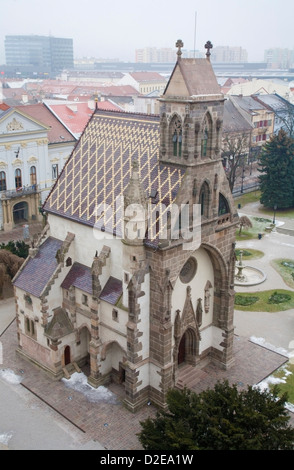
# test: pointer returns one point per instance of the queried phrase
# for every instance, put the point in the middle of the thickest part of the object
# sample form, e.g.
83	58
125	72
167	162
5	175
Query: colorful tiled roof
99	169
35	275
111	291
79	276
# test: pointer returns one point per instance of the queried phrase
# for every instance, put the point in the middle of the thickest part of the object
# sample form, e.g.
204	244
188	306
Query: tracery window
176	127
223	206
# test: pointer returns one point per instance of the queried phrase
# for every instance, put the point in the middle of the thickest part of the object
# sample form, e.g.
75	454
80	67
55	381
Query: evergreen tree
277	168
220	419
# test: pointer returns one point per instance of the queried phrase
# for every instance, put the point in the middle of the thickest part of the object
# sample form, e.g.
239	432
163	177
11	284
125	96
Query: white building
34	147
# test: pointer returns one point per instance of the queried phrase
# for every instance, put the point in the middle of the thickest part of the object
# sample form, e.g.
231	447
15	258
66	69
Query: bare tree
235	149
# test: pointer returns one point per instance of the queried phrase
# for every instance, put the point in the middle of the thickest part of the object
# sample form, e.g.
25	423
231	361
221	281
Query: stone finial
179	45
208	46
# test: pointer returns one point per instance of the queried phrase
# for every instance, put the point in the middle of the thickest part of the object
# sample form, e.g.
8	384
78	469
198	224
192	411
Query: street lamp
274	219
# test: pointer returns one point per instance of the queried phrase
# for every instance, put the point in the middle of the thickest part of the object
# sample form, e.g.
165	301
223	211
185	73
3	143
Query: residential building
47	52
34	147
279	58
137	298
283	111
260	117
145	82
237	132
229	54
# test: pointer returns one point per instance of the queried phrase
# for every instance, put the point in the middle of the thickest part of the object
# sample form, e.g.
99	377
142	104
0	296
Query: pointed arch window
204	199
204	142
176	127
223	205
2	181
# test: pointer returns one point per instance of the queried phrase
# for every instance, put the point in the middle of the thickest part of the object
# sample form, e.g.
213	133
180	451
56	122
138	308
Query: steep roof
35	275
76	115
58	132
99	169
192	77
233	120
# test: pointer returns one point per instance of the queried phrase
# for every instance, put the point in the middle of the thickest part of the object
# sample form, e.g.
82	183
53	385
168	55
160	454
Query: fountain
248	275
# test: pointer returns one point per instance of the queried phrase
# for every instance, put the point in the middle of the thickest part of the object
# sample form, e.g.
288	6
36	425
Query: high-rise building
48	52
278	58
229	54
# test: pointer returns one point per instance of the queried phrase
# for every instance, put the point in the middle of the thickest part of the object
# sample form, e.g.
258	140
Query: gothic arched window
204	199
223	206
204	143
176	135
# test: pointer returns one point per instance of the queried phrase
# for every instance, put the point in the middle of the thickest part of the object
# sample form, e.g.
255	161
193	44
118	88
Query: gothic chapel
135	305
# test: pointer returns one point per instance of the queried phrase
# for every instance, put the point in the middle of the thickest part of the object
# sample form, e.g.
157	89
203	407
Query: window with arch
204	199
206	136
2	181
204	142
18	180
176	128
33	175
223	205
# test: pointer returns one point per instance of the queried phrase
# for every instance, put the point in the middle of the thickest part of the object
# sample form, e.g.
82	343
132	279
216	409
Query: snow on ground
5	438
271	380
78	382
262	342
10	376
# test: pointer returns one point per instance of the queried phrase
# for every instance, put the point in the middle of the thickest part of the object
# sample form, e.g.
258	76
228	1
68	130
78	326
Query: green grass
249	254
262	304
286	374
254	196
284	271
258	226
247	198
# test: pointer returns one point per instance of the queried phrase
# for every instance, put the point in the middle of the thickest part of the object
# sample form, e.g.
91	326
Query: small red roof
75	115
4	106
58	132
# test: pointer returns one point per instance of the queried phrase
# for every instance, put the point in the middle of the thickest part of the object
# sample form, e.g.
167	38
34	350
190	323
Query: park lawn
254	196
249	254
247	198
284	271
262	304
286	375
259	225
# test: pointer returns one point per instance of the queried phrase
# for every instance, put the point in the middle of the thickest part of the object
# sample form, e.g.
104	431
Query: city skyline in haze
117	29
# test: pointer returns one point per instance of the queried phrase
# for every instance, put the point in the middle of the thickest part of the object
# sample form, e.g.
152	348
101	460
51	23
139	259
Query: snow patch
78	382
10	376
5	438
262	342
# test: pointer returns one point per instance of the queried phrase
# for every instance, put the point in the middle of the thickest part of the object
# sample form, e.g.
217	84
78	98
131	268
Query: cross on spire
179	45
208	46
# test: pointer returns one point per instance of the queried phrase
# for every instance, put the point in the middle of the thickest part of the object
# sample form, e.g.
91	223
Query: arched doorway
20	212
188	351
66	355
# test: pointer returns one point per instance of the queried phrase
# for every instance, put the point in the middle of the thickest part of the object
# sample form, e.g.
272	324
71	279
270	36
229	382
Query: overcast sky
115	28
